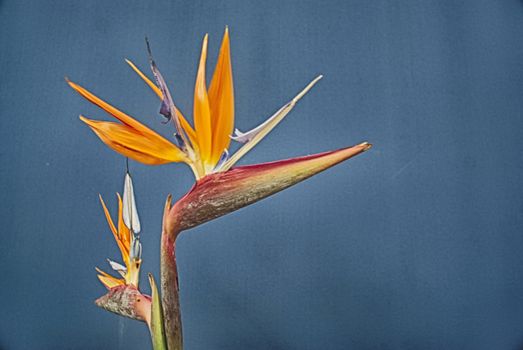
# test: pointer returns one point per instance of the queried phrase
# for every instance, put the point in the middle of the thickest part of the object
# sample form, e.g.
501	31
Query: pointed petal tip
204	44
226	35
307	88
366	146
166	209
168	200
71	83
151	279
90	122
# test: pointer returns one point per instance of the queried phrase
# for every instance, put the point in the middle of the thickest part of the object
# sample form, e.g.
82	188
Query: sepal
220	193
126	300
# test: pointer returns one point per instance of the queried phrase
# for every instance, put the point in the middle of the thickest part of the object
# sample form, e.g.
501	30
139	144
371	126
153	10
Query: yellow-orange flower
125	240
205	147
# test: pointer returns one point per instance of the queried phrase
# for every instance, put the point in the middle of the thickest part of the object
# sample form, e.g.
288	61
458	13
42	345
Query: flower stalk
220	187
169	281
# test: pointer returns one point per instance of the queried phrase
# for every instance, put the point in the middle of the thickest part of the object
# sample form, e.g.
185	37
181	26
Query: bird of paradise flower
220	188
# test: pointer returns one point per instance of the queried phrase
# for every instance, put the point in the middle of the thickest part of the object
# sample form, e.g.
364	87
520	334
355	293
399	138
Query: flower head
205	148
127	239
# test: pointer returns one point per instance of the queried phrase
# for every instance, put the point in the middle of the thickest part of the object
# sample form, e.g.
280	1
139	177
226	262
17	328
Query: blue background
417	244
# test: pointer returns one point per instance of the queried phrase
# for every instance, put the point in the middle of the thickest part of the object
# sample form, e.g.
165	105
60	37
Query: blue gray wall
417	244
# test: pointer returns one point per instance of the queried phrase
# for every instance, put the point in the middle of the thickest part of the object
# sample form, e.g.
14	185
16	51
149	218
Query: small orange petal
148	149
123	249
126	119
108	217
202	112
121	116
109	281
148	81
221	99
123	231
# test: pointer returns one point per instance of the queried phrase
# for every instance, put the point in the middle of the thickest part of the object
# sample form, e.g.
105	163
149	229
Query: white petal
245	137
116	266
257	134
130	213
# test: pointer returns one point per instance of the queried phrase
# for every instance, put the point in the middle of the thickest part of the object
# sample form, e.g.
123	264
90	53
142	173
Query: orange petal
148	149
123	249
221	99
123	231
108	217
121	116
148	81
202	112
188	128
109	281
185	124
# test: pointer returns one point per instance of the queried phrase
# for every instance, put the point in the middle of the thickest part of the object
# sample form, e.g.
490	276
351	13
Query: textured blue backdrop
417	244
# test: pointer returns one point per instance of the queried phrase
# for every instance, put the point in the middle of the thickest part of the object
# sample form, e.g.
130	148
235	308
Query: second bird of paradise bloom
127	239
220	187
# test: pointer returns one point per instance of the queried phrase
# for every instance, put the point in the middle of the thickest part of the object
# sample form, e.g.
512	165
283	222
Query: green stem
157	326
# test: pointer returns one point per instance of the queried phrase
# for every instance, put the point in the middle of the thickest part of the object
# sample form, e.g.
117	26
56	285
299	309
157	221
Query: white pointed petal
117	267
130	213
245	137
257	134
